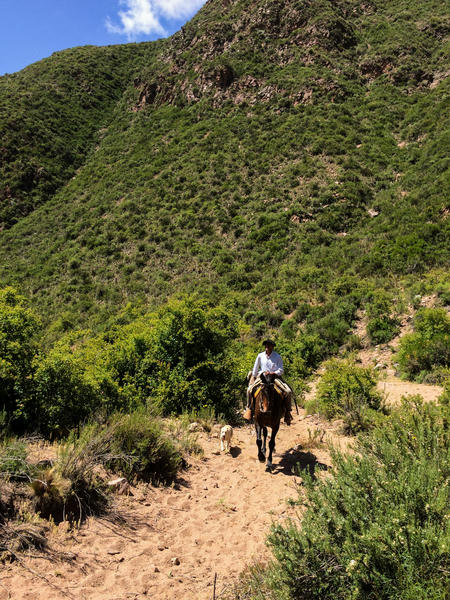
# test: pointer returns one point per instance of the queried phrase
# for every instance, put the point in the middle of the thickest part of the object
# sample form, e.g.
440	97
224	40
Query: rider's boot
287	410
247	414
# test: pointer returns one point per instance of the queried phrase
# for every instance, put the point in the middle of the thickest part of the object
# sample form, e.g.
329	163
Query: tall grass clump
73	489
379	527
141	450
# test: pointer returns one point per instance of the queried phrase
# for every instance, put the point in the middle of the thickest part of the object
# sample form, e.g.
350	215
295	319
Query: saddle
267	380
275	384
270	379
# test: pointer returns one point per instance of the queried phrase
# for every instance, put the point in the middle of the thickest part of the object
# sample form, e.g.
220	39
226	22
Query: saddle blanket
279	385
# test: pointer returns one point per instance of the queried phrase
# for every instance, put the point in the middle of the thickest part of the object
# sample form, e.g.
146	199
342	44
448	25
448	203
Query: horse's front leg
261	454
271	447
265	441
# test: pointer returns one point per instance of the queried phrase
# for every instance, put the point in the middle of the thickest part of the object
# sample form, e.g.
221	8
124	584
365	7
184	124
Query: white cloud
178	9
145	16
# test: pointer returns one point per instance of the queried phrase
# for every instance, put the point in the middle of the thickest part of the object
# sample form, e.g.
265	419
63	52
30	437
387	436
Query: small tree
18	328
63	395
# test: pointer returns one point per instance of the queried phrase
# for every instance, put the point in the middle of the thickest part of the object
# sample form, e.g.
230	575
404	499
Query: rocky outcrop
218	58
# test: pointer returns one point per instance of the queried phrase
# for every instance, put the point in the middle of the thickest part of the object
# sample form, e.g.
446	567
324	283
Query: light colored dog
226	433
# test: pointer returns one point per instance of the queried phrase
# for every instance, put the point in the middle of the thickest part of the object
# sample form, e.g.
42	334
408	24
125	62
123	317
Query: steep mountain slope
270	153
49	115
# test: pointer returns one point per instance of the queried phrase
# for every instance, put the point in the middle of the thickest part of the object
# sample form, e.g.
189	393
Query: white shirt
272	363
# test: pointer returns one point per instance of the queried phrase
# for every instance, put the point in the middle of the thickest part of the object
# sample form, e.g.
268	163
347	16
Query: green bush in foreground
378	529
349	392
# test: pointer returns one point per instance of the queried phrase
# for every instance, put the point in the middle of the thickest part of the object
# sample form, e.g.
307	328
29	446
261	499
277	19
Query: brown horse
269	410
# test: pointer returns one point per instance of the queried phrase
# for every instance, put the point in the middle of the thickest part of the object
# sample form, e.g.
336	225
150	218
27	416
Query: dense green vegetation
425	354
51	116
289	157
179	359
378	528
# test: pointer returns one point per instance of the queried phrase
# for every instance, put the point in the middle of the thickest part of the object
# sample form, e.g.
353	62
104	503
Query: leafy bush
144	451
63	395
347	391
382	329
188	364
378	528
427	350
13	460
382	325
444	398
18	327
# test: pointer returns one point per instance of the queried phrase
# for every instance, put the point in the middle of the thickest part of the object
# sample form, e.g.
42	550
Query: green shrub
378	528
382	325
145	452
332	329
382	329
354	342
13	460
63	395
18	327
427	350
194	369
444	398
349	392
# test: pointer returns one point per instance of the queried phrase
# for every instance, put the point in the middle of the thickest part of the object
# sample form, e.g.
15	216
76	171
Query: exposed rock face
259	32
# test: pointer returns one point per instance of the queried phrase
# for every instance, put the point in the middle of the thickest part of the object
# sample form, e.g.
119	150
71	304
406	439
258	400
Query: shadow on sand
293	462
235	451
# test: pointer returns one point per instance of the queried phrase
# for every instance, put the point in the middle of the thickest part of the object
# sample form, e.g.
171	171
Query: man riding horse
268	363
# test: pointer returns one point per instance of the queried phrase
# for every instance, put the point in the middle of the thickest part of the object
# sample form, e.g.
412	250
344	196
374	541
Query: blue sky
33	29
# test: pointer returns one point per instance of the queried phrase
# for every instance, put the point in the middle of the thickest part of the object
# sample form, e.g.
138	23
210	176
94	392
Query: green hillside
50	116
289	158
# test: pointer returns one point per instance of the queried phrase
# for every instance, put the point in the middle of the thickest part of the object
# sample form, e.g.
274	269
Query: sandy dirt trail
176	541
211	524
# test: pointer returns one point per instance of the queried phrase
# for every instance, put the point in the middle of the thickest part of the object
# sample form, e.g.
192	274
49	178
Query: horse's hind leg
265	441
261	454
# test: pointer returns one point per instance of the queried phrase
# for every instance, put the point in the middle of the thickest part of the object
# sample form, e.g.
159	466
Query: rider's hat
267	342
